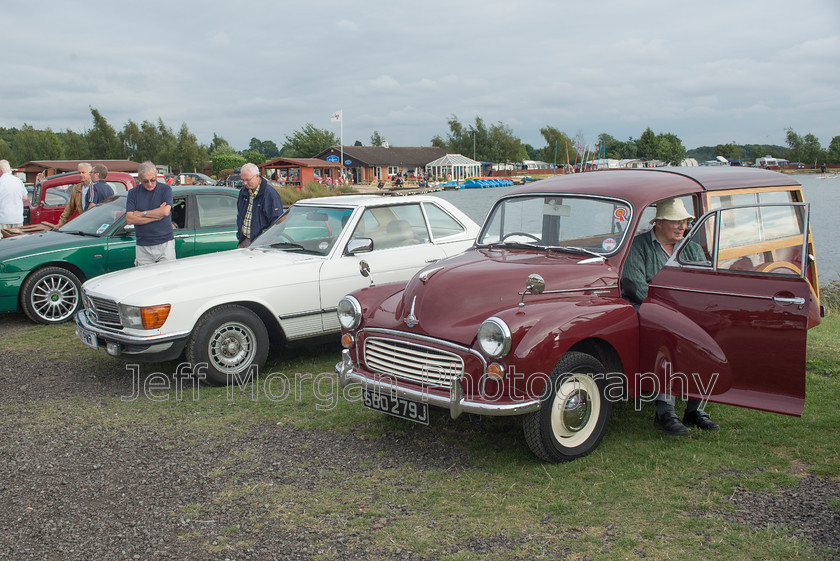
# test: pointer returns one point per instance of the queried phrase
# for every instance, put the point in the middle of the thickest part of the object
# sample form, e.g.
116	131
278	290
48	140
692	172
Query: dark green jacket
645	259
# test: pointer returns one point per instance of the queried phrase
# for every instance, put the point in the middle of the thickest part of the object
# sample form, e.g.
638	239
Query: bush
227	161
830	295
291	195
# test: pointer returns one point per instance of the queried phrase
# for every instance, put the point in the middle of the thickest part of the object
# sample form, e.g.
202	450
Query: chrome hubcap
55	298
576	410
231	347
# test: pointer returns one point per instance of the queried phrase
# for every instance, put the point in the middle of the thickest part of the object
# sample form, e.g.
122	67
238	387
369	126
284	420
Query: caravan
770	162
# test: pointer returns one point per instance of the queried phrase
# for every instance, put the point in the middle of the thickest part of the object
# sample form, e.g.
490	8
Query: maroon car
531	320
53	193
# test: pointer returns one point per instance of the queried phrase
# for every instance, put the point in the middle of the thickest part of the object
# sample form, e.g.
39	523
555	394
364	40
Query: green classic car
41	274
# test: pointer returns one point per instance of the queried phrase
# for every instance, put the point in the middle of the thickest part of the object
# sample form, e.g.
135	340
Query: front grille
412	361
103	312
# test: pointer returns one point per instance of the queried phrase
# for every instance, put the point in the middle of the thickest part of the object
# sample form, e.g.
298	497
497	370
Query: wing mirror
364	268
534	284
359	245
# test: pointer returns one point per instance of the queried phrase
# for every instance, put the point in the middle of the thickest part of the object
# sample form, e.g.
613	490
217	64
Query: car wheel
574	413
51	295
231	340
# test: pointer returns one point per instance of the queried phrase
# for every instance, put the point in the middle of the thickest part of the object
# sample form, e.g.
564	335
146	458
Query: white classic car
225	309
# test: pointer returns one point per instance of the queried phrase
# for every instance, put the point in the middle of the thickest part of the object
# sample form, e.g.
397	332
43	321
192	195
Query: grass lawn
639	495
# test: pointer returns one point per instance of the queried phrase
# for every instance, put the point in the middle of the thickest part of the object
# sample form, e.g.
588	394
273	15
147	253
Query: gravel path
74	486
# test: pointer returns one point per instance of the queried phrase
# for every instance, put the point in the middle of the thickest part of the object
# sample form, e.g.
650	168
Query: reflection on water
823	194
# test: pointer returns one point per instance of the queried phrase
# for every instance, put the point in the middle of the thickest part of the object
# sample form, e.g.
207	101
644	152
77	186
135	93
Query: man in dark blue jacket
99	191
258	206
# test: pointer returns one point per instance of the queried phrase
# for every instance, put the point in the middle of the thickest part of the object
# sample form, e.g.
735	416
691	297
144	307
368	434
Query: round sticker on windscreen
620	213
102	228
323	245
608	244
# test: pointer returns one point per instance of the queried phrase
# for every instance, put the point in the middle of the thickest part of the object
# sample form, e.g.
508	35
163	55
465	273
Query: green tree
812	151
556	142
188	154
502	145
5	150
794	142
102	139
530	152
75	145
253	156
308	142
358	143
165	144
130	137
149	143
669	148
267	148
494	144
833	153
647	145
612	147
731	150
227	161
376	139
31	144
220	146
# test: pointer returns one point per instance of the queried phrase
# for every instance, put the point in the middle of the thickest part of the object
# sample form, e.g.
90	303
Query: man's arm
636	290
70	207
136	217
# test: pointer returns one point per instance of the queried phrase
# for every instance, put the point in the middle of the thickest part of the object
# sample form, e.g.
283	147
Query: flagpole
341	140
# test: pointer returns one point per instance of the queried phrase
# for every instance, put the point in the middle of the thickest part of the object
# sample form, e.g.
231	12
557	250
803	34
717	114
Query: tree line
495	143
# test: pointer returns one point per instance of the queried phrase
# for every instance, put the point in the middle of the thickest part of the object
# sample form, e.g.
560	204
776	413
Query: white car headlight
349	313
130	316
494	337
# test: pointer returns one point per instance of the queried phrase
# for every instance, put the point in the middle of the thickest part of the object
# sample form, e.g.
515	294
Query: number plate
396	406
87	338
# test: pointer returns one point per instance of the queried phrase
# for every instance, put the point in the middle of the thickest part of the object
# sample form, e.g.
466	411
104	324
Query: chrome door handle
798	300
433	260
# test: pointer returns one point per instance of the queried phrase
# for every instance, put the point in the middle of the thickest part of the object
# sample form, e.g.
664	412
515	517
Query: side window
441	223
411	224
118	187
756	239
393	226
54	197
179	214
216	211
699	247
650	212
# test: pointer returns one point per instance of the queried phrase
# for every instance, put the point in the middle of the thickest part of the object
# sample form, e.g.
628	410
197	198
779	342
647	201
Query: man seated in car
647	255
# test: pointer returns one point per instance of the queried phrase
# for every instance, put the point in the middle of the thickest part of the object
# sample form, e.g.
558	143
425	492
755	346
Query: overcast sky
710	72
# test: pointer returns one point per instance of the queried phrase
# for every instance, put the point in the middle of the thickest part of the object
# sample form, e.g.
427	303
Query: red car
531	321
52	194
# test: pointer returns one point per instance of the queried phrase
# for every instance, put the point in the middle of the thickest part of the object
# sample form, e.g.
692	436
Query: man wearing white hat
647	255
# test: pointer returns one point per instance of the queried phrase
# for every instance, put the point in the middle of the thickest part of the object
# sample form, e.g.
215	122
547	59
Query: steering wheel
287	237
523	234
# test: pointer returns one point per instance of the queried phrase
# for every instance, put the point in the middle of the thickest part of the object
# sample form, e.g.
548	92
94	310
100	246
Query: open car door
732	328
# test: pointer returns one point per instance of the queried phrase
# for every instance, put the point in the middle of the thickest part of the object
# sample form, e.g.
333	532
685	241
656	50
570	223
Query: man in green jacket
648	254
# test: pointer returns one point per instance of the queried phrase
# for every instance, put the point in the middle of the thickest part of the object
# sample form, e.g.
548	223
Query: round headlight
349	313
494	337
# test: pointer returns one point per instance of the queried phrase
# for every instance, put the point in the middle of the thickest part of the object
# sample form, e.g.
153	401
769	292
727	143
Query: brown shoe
701	420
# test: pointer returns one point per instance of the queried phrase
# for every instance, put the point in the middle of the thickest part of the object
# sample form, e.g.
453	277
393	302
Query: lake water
823	194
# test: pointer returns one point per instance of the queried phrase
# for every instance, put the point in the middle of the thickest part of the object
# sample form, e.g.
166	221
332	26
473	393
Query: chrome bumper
151	348
456	403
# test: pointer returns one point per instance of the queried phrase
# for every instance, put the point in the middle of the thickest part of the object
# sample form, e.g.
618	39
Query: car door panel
215	217
728	332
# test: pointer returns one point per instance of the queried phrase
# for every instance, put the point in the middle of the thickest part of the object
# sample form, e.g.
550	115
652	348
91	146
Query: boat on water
485	182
